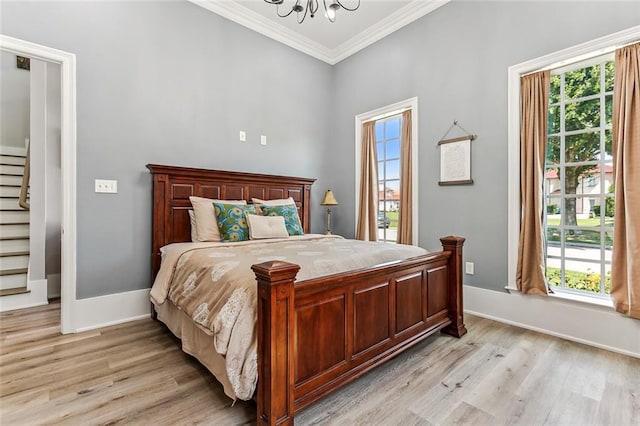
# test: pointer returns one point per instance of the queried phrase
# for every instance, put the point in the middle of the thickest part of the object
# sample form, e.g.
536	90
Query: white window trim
381	113
557	59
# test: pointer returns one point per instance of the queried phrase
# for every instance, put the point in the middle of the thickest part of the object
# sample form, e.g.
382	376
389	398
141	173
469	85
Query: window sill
572	297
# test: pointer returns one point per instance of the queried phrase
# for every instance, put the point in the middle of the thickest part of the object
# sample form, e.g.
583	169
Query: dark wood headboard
173	185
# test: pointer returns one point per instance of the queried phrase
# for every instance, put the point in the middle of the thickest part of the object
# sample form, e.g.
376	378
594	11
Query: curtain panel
625	261
534	98
405	214
367	226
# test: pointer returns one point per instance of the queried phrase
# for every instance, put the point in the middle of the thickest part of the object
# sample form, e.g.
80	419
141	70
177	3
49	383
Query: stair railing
24	187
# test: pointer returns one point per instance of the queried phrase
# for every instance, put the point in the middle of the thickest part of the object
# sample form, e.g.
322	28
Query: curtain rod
387	115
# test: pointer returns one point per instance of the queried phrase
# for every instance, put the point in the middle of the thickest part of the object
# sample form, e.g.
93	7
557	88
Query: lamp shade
329	199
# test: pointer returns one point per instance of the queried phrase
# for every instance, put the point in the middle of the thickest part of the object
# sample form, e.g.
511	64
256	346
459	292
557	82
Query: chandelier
310	7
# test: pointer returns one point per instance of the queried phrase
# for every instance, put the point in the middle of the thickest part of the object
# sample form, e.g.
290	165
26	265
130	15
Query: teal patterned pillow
290	213
232	222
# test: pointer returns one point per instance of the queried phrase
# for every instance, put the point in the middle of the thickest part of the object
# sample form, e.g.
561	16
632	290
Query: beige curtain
405	224
625	262
534	98
367	226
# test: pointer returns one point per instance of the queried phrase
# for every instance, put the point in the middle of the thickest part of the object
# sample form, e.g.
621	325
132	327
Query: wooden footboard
317	335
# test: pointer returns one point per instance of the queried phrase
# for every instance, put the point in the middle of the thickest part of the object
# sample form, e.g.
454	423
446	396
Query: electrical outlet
263	140
468	268
106	186
243	136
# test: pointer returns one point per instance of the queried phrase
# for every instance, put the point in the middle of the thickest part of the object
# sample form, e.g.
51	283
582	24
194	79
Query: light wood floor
134	373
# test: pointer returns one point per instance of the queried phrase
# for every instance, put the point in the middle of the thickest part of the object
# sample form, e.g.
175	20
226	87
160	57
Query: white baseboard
37	296
53	285
102	311
592	325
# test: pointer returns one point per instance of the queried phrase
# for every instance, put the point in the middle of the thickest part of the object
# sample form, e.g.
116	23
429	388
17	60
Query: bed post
276	334
454	245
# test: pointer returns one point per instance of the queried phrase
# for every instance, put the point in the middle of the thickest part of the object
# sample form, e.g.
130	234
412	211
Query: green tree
579	115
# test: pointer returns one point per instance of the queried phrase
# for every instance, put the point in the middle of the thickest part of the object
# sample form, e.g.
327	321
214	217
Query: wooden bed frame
317	335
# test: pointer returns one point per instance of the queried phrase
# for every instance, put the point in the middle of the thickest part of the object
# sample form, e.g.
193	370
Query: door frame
67	62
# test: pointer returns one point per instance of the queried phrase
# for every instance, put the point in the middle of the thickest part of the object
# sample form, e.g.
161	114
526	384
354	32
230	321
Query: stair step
14	231
14	262
10	204
13	281
14	291
10	180
12	160
16	271
15	253
11	169
9	191
9	217
9	246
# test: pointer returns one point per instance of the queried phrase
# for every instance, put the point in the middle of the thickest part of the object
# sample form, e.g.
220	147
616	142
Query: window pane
582	147
553	211
392	128
380	170
608	145
379	131
608	109
582	82
554	89
582	115
582	276
553	236
573	177
380	150
609	74
554	120
393	169
393	149
583	252
552	182
553	150
553	272
581	236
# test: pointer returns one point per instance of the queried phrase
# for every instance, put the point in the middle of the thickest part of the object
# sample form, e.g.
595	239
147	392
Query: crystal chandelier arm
346	8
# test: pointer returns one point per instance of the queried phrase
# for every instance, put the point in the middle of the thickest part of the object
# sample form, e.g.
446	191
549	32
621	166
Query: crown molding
256	22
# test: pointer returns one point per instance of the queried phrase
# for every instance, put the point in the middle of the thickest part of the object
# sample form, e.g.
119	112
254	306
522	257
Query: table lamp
329	200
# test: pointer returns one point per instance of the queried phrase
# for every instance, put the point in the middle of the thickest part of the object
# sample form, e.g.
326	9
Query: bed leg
454	245
276	334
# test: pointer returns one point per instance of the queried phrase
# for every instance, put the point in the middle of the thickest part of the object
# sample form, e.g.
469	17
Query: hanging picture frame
455	161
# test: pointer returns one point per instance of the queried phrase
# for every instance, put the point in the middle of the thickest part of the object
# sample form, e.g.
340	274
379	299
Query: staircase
14	224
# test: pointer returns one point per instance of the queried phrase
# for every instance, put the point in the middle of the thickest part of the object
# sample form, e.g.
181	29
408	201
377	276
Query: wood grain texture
135	373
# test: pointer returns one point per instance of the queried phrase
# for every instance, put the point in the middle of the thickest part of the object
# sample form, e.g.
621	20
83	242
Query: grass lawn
579	280
393	217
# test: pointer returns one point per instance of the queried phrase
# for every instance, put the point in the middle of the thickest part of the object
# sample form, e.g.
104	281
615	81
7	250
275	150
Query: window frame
378	114
556	60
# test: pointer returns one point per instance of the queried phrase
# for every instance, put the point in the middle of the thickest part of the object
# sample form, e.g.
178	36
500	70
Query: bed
313	335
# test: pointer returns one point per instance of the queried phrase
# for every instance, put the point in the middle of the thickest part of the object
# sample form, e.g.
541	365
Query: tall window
388	153
579	177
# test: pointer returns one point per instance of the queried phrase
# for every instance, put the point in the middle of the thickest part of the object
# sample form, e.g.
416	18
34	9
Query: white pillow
278	202
206	224
194	229
261	227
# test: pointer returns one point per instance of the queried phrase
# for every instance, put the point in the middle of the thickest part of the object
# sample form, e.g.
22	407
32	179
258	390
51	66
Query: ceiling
329	42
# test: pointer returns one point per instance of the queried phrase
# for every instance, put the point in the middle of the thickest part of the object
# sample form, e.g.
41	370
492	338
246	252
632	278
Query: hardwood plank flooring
135	373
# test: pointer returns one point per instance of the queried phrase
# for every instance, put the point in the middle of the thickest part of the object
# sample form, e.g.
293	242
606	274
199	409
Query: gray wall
171	83
14	102
455	60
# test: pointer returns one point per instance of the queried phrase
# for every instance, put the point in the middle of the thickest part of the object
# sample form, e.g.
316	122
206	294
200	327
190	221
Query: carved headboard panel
172	187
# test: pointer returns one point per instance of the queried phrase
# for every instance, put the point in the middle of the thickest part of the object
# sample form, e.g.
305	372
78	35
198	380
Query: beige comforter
214	285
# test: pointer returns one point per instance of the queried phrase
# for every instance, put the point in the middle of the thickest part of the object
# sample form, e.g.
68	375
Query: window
578	184
388	131
388	152
578	194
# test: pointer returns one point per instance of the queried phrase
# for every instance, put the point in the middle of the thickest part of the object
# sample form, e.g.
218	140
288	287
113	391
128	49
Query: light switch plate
263	140
468	268
243	136
106	186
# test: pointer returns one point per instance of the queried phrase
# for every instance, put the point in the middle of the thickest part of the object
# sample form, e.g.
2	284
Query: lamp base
328	232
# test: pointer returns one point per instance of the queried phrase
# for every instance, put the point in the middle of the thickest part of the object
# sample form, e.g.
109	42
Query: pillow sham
232	223
194	229
262	227
278	202
290	214
207	228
